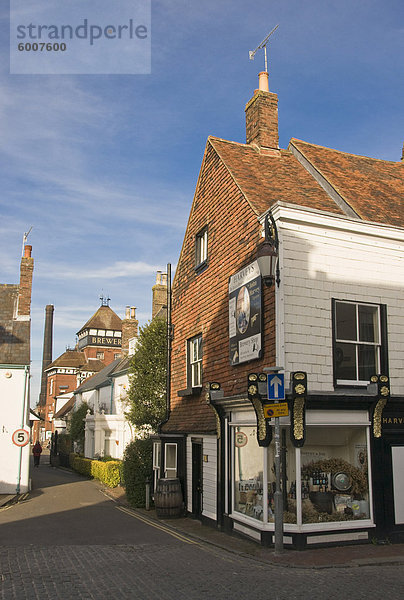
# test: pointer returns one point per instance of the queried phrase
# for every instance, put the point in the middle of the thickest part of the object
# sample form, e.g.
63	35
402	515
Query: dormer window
201	248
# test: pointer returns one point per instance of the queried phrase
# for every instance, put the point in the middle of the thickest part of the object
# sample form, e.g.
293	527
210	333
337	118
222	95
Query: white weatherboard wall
209	476
324	257
14	461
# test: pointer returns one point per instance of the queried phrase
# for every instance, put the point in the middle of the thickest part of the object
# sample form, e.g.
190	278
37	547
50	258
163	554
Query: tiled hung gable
200	299
14	335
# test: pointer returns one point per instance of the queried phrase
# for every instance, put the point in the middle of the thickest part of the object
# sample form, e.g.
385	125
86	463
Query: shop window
170	460
358	335
201	248
195	362
156	463
325	481
334	475
248	473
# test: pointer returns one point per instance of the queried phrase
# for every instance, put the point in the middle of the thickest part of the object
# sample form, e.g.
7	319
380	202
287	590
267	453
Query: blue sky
104	167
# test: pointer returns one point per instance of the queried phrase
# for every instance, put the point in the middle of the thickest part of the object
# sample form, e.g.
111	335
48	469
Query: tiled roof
373	188
265	178
100	379
104	318
76	360
14	334
65	408
192	414
121	366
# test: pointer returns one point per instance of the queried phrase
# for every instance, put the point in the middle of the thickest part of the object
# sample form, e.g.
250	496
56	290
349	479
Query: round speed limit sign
20	437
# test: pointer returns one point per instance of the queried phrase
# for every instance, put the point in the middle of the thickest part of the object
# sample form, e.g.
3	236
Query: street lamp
267	253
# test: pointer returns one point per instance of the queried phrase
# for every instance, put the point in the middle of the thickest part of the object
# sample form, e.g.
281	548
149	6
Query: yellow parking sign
276	410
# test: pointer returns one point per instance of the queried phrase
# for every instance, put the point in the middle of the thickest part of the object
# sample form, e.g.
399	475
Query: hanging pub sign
245	314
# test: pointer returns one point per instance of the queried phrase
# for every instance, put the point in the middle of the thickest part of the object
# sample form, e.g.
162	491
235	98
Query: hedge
108	472
137	468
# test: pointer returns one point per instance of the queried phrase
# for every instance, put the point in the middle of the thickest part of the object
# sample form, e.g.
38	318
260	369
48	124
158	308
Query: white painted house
107	432
15	327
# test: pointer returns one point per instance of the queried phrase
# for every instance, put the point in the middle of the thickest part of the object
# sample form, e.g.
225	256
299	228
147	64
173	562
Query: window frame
170	469
380	345
191	382
156	463
201	249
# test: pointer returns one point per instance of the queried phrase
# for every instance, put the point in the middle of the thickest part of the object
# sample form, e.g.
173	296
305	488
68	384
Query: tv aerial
25	239
263	44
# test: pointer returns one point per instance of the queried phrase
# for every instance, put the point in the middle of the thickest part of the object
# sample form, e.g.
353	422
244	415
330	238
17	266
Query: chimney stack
47	350
129	328
262	116
25	288
159	291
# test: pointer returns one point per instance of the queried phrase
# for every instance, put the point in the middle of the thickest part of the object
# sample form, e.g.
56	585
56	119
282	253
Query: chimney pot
27	251
133	312
263	81
127	312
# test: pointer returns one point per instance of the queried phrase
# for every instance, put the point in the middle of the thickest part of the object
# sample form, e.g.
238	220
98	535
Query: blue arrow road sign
276	386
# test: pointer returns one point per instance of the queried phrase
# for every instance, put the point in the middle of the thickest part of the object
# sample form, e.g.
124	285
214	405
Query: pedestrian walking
36	451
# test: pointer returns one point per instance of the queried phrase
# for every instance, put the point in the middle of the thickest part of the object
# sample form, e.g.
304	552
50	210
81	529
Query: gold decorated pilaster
298	421
261	424
377	417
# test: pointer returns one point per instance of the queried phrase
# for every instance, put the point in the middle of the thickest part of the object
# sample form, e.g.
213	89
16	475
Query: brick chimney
24	292
159	291
47	350
262	116
130	327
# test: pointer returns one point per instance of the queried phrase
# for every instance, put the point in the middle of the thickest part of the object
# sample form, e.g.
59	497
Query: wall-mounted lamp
267	253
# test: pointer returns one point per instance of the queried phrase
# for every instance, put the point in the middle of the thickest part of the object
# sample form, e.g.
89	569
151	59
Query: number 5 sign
20	437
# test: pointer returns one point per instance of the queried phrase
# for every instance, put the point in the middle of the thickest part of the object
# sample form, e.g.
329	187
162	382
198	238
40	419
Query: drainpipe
23	418
112	380
169	342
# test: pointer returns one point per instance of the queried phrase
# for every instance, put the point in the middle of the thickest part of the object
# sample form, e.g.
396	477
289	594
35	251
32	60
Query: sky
104	167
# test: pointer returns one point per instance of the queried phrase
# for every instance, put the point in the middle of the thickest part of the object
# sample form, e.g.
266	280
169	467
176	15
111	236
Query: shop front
326	483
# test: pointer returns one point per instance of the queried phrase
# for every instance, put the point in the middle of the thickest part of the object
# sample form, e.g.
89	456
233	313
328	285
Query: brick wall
200	300
262	119
24	295
109	353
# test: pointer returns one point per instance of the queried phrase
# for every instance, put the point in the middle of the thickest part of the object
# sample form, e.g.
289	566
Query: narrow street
68	540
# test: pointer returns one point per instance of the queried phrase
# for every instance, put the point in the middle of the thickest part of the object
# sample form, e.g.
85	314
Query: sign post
276	392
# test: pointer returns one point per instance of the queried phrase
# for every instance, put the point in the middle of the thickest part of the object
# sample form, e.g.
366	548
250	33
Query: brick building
331	312
15	340
99	344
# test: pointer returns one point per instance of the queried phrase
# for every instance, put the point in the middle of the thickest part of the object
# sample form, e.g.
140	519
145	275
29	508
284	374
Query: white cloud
117	269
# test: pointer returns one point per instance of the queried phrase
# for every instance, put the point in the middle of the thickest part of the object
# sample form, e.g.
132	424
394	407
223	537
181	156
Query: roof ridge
393	162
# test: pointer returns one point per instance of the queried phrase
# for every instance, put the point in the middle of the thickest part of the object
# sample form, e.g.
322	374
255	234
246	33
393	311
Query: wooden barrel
168	498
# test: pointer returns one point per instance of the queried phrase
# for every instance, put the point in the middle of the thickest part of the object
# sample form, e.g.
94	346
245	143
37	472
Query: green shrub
137	467
108	472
